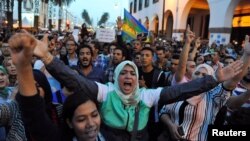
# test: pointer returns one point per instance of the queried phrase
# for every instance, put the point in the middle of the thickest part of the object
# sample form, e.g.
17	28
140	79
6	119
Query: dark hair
229	57
70	105
96	44
176	56
122	50
112	44
85	46
149	49
161	48
69	39
196	57
43	82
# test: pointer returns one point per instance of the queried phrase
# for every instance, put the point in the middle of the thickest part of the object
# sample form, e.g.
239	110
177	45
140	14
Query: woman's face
201	72
86	121
63	51
3	79
127	80
11	68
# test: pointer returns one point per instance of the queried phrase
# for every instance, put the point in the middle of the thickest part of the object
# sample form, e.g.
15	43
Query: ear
69	123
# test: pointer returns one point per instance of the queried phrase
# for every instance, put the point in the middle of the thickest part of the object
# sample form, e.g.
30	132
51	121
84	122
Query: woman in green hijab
123	106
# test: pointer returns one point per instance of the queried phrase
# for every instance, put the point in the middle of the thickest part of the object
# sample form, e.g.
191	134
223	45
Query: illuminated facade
219	21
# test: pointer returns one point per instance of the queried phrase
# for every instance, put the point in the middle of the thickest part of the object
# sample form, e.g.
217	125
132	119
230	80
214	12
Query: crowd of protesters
78	89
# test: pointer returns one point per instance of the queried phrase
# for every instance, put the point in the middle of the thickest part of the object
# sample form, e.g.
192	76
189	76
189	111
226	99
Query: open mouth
91	133
2	82
84	59
13	71
127	84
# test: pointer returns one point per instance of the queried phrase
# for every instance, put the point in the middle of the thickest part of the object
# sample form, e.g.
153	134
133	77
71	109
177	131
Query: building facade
219	21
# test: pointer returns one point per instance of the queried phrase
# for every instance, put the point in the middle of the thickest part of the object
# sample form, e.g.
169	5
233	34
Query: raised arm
231	83
235	102
186	90
179	74
31	104
194	51
65	75
198	86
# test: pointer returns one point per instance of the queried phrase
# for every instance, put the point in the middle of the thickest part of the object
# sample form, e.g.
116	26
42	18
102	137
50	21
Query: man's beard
85	65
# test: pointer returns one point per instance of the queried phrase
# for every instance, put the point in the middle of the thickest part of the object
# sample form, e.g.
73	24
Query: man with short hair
137	46
186	67
72	56
118	57
85	66
228	60
151	77
161	61
216	60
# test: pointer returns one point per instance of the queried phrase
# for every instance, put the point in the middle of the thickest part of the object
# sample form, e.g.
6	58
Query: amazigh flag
131	27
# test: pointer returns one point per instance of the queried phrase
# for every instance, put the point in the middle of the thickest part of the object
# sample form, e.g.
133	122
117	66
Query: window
146	3
135	6
131	7
140	4
155	1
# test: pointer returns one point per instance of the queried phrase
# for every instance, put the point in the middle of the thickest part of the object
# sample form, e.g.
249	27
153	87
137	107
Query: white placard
105	35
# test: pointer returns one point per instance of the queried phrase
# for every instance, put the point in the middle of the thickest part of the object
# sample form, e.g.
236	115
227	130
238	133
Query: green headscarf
134	97
3	70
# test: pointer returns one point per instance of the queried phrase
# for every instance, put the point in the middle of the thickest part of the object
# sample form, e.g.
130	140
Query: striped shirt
195	118
10	117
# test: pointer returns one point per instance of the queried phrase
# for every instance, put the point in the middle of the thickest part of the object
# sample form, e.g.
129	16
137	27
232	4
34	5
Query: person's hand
21	47
197	43
119	23
142	82
42	47
189	35
228	72
41	50
173	129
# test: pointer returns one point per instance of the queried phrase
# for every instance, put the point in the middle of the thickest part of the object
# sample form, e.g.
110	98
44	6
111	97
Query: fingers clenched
21	41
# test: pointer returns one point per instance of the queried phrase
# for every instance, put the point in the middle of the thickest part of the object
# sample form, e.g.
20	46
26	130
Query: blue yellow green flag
131	27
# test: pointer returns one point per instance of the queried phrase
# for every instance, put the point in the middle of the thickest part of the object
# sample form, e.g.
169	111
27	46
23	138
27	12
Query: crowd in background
91	67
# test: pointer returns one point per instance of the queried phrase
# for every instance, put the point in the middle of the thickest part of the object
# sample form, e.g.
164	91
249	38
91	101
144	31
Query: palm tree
19	13
9	12
36	17
85	16
104	18
60	3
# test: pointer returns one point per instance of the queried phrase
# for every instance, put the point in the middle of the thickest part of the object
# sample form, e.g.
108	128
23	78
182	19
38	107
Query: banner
105	35
131	27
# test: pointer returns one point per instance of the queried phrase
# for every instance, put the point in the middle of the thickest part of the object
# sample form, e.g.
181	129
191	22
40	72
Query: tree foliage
85	16
62	2
104	18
